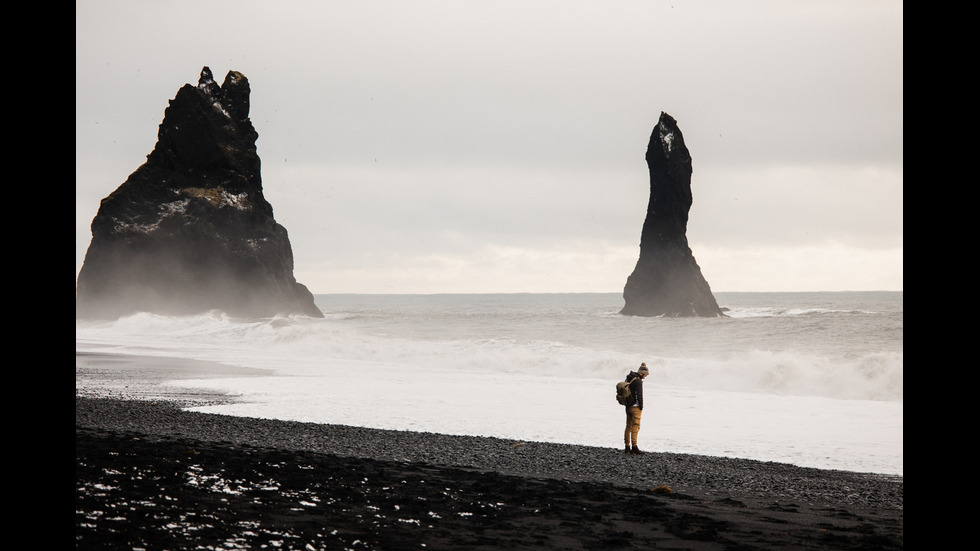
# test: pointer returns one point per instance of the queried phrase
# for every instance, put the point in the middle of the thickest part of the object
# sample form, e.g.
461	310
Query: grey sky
456	146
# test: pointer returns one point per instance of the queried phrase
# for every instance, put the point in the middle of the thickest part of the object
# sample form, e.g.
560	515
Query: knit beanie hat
643	369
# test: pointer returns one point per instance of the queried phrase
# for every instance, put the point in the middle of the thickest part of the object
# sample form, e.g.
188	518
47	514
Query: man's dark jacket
636	389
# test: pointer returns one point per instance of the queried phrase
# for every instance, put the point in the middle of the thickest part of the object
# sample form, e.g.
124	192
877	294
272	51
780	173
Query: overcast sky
498	146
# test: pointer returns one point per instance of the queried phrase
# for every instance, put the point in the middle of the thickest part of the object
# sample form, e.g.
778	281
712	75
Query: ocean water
812	379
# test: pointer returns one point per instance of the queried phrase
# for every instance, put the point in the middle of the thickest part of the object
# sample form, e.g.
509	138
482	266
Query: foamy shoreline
135	377
576	414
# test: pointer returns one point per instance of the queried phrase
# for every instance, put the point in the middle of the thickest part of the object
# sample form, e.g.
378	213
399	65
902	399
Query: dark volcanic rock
667	281
190	230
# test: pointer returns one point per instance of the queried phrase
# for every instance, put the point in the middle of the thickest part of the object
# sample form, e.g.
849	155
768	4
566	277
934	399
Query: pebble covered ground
150	475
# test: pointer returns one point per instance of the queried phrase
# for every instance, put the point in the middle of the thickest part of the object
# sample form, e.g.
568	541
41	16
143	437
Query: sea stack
190	230
667	281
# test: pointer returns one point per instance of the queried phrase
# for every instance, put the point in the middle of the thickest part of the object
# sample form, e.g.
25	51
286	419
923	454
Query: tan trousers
632	425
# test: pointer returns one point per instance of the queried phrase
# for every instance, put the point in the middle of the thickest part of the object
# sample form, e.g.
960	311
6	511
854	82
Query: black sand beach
151	476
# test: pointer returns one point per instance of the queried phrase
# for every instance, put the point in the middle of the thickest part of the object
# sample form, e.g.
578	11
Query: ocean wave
763	312
304	346
872	376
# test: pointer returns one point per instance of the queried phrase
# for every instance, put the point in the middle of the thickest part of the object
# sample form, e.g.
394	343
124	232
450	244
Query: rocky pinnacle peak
233	94
207	84
236	91
668	136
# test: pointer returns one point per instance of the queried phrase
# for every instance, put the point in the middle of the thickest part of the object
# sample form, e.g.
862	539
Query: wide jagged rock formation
667	281
190	230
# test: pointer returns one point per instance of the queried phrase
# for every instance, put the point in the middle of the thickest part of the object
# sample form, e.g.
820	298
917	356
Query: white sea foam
816	384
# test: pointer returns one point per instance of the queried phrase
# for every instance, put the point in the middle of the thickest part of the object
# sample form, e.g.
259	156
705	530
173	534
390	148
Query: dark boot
635	450
628	450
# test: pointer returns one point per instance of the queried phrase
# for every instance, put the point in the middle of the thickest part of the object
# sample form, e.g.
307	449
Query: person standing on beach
634	409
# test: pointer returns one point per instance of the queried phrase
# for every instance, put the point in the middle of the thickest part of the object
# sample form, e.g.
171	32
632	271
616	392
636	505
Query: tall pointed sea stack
667	281
190	230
